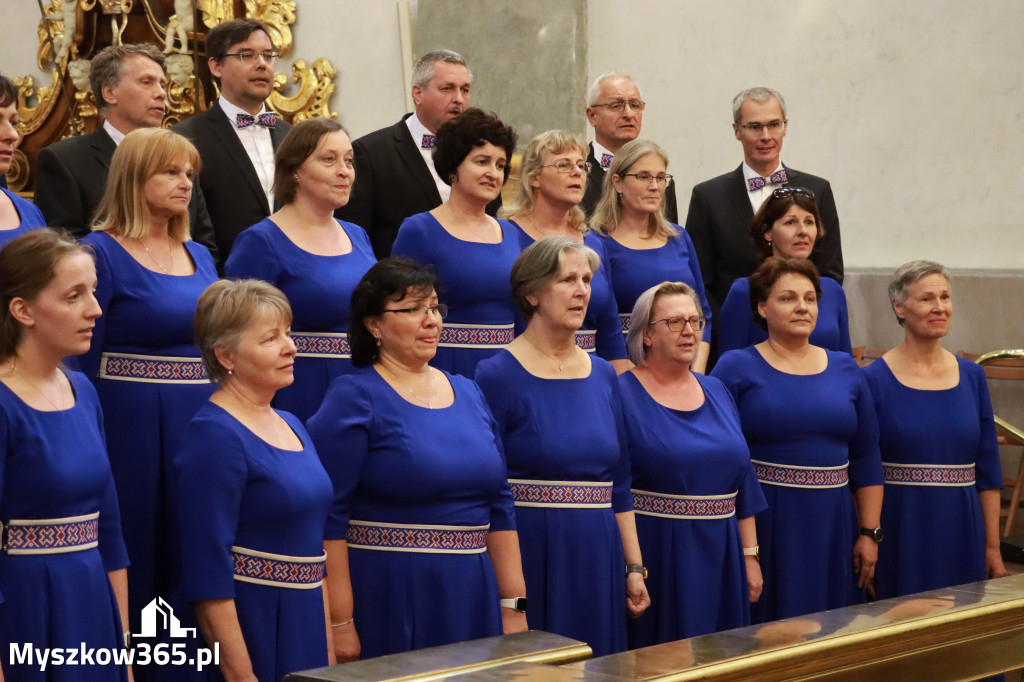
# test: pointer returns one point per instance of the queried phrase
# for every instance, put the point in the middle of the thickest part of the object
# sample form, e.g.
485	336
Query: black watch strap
875	534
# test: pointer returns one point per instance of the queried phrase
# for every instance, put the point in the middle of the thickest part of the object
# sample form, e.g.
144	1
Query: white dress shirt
418	131
758	196
258	145
115	134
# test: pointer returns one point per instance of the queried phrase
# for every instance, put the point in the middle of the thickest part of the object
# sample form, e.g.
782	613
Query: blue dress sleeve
210	473
734	318
253	256
697	280
750	500
503	513
729	371
611	342
492	386
988	468
865	455
844	322
89	362
341	432
412	242
622	475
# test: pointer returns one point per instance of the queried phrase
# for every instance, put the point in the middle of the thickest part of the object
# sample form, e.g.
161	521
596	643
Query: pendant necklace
433	375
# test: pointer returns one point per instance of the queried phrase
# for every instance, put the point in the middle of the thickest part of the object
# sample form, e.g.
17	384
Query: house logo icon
158	616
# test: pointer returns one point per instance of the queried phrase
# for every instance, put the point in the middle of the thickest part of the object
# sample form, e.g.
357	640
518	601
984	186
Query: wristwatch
754	551
515	603
875	534
637	568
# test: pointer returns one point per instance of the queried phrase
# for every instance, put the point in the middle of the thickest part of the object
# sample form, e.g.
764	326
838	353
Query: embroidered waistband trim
624	319
51	536
949	475
278	570
578	494
321	345
587	340
476	335
392	537
152	369
801	477
684	506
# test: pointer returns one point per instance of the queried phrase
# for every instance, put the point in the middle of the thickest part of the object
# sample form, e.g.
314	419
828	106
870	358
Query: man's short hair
423	69
222	36
760	95
595	88
107	66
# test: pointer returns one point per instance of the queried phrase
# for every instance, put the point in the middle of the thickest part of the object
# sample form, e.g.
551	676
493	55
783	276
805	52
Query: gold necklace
552	357
14	368
170	254
433	375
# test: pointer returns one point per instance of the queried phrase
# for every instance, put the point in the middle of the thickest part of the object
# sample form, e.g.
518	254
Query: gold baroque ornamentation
17	174
315	89
216	11
51	23
278	15
32	117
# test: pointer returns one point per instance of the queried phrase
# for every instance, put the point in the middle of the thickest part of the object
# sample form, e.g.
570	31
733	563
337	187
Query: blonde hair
143	153
608	211
532	163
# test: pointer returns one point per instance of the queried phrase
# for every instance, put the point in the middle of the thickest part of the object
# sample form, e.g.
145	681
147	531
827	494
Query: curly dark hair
776	206
765	277
461	135
389	280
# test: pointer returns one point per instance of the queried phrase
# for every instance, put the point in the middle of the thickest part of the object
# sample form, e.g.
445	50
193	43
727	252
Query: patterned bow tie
428	142
606	160
267	120
776	178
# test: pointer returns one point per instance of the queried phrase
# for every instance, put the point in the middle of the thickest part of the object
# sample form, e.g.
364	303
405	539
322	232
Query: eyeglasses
620	104
440	309
772	126
676	324
564	166
645	177
790	191
247	56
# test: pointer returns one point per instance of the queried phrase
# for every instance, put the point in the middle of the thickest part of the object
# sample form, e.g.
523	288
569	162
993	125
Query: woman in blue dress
315	259
558	413
552	178
694	489
421	542
939	450
471	252
250	496
810	423
640	246
143	360
787	225
63	582
17	216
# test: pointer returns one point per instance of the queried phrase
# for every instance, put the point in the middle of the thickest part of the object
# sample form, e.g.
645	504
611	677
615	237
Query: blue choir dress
31	217
54	466
938	451
245	511
601	327
474	284
737	329
634	271
319	289
569	469
150	381
692	480
416	490
811	438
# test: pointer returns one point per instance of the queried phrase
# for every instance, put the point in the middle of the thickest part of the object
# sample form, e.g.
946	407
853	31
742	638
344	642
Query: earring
231	371
378	341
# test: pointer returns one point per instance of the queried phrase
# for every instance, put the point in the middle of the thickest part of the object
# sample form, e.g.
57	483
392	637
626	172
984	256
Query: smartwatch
875	534
515	603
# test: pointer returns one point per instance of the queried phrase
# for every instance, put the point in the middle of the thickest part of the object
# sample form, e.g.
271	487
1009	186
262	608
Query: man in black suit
616	111
721	209
395	176
71	175
237	136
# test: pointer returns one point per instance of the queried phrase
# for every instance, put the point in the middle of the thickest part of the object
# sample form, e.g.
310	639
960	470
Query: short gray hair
760	95
423	69
595	88
107	67
538	265
640	319
911	272
225	310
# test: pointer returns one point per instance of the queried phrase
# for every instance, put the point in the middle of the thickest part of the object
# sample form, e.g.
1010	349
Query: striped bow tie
776	178
428	142
606	160
267	120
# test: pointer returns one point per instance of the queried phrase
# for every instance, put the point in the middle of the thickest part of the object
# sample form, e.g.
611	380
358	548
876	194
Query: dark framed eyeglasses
790	191
676	324
645	177
440	309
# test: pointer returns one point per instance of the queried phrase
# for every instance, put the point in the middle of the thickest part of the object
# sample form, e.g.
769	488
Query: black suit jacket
392	183
71	177
595	185
718	222
231	188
